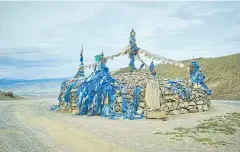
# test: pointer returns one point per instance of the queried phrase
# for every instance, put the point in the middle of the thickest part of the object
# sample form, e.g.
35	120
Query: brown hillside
222	75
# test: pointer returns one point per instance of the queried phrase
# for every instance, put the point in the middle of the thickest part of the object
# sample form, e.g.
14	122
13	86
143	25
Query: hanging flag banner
145	53
159	58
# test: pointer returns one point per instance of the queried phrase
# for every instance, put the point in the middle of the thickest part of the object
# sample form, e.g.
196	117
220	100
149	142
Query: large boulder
155	115
153	95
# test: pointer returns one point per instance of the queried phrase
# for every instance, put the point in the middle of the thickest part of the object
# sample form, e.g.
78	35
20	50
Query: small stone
118	93
128	100
140	112
175	112
185	104
181	105
174	105
168	93
209	104
192	104
164	108
199	102
117	109
74	104
191	107
155	114
119	99
169	104
74	111
200	108
139	108
183	111
129	97
199	95
129	91
193	110
65	104
142	104
142	99
171	108
181	100
170	98
205	108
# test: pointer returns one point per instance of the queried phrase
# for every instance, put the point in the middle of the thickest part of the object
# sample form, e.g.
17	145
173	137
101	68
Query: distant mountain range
5	81
24	87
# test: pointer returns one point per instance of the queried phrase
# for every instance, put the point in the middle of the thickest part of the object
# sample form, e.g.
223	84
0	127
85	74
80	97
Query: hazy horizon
44	39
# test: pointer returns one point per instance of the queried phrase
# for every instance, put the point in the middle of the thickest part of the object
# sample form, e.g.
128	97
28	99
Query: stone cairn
156	98
72	105
159	96
78	79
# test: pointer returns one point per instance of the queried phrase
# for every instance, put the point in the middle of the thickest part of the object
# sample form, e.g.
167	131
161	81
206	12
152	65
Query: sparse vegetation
7	96
221	125
222	75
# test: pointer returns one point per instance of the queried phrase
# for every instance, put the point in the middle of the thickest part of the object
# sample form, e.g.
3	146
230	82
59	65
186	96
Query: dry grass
222	75
224	125
3	97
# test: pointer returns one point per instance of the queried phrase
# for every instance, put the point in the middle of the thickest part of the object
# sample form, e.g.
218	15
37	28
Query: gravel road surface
29	126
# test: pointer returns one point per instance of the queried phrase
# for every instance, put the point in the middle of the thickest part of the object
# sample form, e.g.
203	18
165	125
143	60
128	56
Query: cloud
40	39
18	63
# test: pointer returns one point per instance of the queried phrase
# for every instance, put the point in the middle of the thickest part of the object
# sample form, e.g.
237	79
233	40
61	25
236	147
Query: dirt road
29	126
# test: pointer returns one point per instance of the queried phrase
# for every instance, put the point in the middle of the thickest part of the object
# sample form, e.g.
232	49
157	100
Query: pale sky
44	39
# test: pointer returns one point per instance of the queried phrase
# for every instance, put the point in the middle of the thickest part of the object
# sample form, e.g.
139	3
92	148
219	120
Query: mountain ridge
8	81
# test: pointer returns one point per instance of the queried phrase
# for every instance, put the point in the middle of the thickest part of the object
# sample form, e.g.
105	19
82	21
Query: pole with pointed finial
80	73
102	54
133	50
81	56
152	69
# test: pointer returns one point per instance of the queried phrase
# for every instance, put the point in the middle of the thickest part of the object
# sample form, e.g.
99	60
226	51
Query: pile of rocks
130	81
74	98
171	103
72	105
156	98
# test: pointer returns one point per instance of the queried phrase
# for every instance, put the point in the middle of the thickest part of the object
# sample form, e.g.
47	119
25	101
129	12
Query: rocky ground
30	126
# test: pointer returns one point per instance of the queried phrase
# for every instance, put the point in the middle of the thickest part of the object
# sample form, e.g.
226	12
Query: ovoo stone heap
135	94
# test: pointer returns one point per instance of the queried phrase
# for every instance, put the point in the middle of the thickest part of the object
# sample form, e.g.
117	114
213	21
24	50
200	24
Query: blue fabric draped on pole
129	111
67	97
182	92
197	77
97	94
133	50
80	73
55	108
81	57
132	60
63	86
152	69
